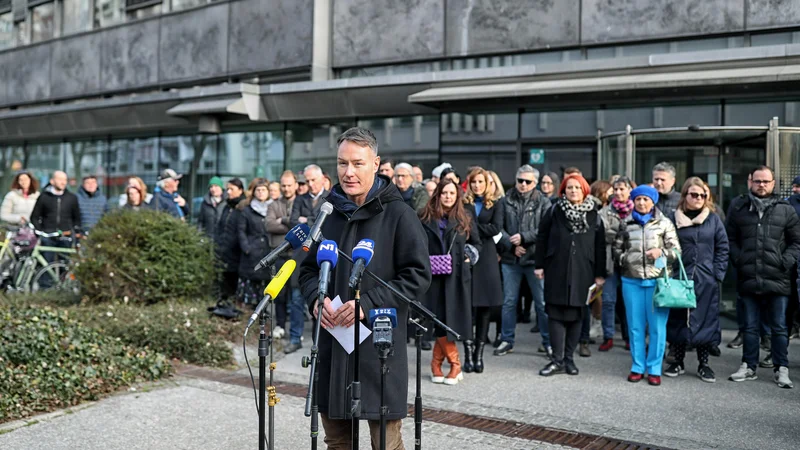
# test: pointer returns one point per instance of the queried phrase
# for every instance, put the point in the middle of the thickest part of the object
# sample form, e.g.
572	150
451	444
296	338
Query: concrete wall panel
75	67
4	58
129	56
194	45
381	31
622	20
484	26
29	74
772	13
270	35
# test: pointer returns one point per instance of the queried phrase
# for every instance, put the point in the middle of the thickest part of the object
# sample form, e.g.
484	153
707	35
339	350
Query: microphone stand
420	330
312	406
355	387
264	348
383	354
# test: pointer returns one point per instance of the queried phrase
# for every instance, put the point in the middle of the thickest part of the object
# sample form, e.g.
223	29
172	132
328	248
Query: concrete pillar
322	54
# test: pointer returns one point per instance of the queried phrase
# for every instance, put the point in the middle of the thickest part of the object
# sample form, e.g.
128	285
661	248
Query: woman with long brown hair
452	230
487	287
20	200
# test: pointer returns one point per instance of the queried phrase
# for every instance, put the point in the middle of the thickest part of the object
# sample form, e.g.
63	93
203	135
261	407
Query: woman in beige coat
19	202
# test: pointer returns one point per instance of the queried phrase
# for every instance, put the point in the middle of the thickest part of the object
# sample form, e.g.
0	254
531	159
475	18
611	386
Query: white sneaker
781	377
744	374
437	380
278	333
454	381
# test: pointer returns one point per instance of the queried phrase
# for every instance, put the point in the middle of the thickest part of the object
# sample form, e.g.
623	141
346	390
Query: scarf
642	219
407	194
576	213
623	209
259	206
478	206
761	204
690	217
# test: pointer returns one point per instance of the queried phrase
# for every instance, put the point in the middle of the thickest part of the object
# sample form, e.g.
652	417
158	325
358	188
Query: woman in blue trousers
646	245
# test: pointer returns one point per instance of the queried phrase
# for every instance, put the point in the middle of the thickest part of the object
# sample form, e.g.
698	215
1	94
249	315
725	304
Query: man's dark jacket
401	259
668	203
93	206
209	215
522	215
165	202
763	250
56	212
303	207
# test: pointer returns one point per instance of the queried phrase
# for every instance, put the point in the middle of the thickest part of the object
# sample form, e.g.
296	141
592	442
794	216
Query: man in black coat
664	182
764	235
57	209
366	206
306	208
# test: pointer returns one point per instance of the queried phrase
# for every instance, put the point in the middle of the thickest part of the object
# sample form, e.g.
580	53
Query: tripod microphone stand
355	387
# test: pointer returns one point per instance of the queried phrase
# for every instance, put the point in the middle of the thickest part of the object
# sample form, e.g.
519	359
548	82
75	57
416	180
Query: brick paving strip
502	427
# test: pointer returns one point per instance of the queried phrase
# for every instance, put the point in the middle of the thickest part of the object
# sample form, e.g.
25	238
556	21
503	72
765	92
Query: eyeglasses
697	195
524	181
762	182
547	183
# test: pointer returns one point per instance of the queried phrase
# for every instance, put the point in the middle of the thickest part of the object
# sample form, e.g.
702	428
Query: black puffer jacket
522	216
763	250
210	214
227	238
56	212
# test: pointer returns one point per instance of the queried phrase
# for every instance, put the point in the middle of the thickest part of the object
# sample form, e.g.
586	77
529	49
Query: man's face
356	167
90	185
430	186
302	188
314	181
763	183
796	189
59	181
215	191
663	182
288	187
417	174
526	182
170	185
403	179
386	169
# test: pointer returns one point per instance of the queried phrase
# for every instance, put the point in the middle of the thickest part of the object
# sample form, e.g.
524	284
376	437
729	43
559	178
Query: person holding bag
453	245
645	247
704	249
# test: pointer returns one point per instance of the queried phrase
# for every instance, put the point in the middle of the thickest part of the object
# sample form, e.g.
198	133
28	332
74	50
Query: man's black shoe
767	362
674	370
766	342
504	348
535	328
570	368
552	369
714	351
737	342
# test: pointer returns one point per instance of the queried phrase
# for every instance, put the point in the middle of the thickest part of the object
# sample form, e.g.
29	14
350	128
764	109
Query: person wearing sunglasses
524	206
704	250
764	234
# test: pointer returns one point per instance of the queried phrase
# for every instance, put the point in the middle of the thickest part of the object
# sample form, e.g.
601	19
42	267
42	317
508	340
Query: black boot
469	350
478	360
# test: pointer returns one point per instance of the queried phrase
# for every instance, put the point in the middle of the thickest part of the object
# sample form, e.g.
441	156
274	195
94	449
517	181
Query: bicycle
36	274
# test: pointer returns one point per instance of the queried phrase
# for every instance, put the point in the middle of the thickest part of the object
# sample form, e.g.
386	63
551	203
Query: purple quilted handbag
443	264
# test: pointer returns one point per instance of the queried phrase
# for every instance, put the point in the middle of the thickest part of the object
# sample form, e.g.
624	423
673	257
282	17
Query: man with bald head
57	209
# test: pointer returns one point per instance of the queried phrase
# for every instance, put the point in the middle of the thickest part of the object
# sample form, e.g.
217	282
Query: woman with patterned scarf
613	214
570	256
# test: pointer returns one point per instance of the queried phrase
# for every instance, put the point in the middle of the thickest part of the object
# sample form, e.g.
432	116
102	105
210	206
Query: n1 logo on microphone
327	246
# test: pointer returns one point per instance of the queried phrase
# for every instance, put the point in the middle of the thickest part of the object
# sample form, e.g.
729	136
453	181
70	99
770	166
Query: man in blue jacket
166	197
92	202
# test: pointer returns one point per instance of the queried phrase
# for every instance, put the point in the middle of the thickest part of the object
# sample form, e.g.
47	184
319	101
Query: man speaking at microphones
366	206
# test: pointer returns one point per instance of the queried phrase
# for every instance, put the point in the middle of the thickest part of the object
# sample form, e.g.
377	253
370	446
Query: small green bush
48	360
145	257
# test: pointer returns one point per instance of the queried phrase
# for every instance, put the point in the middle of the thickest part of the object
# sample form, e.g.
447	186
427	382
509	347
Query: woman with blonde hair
139	183
496	183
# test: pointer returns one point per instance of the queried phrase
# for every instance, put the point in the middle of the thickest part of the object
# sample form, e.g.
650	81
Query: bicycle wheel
56	275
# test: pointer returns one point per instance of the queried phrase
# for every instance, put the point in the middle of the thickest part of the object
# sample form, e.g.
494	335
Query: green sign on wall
536	156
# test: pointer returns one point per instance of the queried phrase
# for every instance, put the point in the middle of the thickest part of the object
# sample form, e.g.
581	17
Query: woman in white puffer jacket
19	202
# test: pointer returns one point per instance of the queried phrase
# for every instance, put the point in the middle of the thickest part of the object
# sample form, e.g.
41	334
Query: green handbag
672	293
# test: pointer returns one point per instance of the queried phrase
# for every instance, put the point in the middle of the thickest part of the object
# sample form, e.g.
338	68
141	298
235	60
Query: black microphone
315	234
294	238
362	255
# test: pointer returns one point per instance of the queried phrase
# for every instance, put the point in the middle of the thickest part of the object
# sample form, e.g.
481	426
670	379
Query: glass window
502	158
695	45
43	22
12	158
77	16
774	38
459	127
195	157
548	57
84	158
6	30
248	155
754	114
559	124
108	12
413	140
23	32
43	159
185	4
314	144
145	12
136	157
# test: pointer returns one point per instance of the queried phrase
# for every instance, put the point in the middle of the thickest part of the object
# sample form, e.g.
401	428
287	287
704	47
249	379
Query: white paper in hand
496	238
346	336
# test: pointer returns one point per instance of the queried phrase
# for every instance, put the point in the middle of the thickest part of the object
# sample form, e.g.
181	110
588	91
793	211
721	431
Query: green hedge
49	360
145	257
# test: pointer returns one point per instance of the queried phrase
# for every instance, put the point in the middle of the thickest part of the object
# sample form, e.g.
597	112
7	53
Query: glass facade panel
613	159
84	158
77	16
754	114
696	45
195	157
12	160
134	157
43	159
43	20
314	144
413	140
249	155
780	38
789	161
502	158
6	30
558	158
108	12
23	32
468	127
559	124
143	13
186	4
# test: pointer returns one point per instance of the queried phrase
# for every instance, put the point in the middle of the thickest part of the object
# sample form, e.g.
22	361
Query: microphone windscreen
365	249
327	251
276	285
391	313
297	235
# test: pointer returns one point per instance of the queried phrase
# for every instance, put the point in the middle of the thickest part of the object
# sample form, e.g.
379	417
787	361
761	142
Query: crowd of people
571	242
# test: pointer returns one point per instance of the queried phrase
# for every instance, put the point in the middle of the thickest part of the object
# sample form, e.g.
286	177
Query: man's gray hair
312	167
665	167
404	166
527	168
360	136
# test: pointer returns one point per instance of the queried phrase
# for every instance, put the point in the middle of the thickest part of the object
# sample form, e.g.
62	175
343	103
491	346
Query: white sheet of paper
496	238
592	288
346	336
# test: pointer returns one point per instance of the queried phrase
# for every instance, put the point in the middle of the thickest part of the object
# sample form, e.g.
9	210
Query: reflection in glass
136	157
195	158
24	32
143	13
413	140
108	12
251	154
77	16
460	127
86	158
43	159
502	158
6	30
789	152
612	157
185	4
314	144
43	19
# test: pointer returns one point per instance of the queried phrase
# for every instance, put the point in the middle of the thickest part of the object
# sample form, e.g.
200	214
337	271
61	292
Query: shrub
145	257
48	360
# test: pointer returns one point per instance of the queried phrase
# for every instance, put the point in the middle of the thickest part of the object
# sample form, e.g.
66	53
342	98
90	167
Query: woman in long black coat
451	228
254	242
226	239
487	287
704	250
570	256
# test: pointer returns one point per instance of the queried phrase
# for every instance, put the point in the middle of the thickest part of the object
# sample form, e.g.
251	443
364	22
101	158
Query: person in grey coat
212	207
92	202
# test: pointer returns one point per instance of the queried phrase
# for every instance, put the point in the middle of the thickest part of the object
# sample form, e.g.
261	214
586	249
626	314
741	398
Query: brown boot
436	363
451	353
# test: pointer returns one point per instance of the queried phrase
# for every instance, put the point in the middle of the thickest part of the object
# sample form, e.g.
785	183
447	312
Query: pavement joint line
501	425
